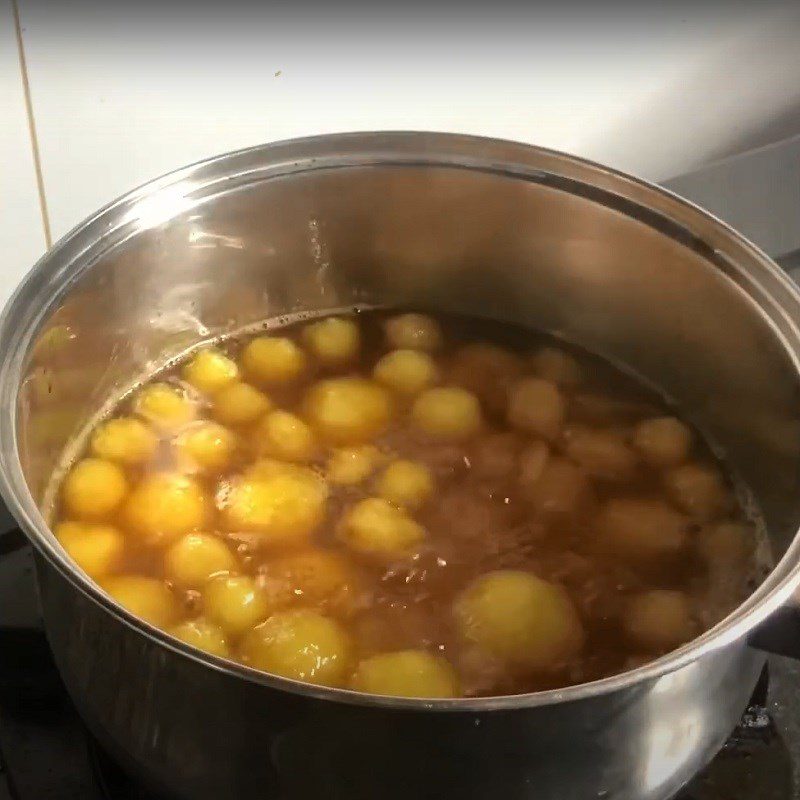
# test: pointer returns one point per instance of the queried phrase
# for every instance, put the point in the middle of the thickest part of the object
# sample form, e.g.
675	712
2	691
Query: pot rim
52	275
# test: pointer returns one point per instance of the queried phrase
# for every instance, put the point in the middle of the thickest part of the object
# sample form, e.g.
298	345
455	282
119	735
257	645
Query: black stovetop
47	754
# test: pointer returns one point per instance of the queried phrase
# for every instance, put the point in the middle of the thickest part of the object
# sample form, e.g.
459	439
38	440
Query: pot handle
780	632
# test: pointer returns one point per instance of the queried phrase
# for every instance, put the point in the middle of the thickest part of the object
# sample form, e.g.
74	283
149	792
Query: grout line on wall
37	160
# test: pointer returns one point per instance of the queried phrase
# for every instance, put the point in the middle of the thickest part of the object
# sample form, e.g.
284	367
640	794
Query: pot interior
554	244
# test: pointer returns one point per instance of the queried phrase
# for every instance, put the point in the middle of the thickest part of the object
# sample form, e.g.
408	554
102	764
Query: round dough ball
641	530
698	490
196	558
203	635
348	410
659	620
210	370
165	406
311	577
663	441
270	467
520	619
374	526
406	483
406	673
488	371
413	332
239	404
349	466
146	598
406	372
93	488
532	461
283	506
166	505
726	544
556	366
447	414
97	549
334	341
302	645
206	446
283	435
494	456
126	440
235	603
273	360
606	410
603	454
561	491
536	406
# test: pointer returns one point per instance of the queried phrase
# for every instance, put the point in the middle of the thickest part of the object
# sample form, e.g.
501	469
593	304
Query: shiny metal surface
461	224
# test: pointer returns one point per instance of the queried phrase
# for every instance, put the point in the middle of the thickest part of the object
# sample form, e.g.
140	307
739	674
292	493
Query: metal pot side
437	221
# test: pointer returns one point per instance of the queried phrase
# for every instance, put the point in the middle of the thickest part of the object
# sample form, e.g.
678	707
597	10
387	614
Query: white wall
122	92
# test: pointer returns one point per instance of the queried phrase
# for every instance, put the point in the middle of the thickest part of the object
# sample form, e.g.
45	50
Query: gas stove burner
754	763
46	752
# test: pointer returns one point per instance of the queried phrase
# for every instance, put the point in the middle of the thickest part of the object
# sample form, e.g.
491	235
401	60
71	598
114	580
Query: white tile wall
122	92
21	231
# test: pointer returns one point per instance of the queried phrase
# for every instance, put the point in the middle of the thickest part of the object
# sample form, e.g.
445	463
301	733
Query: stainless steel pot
448	222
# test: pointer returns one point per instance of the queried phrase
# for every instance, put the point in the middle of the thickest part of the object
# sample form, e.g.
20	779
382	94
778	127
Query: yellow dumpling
333	340
536	406
166	505
203	635
494	456
273	360
270	467
640	530
413	332
235	603
406	673
663	441
556	366
239	404
724	544
210	370
311	577
93	488
206	446
284	435
601	453
348	410
349	466
560	491
447	414
407	372
488	371
146	598
97	549
165	406
302	645
375	527
196	558
406	483
283	506
126	439
531	467
699	490
520	619
659	619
